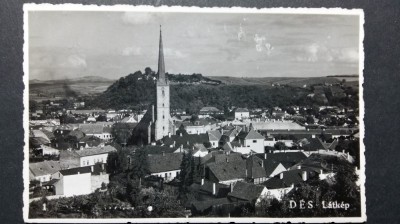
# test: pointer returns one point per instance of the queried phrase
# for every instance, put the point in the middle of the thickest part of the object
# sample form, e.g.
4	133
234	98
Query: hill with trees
192	92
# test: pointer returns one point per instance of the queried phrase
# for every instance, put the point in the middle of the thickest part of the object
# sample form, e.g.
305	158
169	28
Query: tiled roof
246	191
164	162
228	170
209	109
254	135
289	177
241	110
37	141
287	159
312	144
254	167
76	170
220	189
44	168
91	128
269	166
222	157
214	135
186	140
95	151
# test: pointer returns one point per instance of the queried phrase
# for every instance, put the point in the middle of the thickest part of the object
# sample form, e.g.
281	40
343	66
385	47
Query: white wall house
76	181
80	180
278	193
242	113
167	175
91	156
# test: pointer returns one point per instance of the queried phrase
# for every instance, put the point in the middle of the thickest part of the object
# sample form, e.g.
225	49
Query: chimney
262	163
298	166
321	171
343	151
312	136
102	166
163	153
79	172
227	160
173	144
180	134
281	175
169	134
214	189
304	175
246	172
265	155
202	181
231	187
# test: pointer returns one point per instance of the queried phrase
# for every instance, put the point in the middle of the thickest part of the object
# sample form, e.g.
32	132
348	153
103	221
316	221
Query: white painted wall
79	184
257	146
168	176
91	160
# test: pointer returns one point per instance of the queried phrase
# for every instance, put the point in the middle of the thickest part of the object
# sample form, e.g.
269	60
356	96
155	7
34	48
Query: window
254	141
163	128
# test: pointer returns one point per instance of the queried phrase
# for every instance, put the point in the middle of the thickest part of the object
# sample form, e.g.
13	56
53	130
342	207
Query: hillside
290	81
188	92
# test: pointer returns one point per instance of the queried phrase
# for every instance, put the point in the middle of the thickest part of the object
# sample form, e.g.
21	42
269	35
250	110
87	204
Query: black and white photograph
190	114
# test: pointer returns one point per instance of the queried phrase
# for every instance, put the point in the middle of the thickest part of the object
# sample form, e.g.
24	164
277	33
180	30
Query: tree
187	171
140	164
280	146
309	120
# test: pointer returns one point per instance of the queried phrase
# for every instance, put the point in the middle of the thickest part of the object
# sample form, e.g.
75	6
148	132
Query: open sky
71	44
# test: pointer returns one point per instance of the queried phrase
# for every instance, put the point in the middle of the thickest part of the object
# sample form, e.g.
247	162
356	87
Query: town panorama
159	144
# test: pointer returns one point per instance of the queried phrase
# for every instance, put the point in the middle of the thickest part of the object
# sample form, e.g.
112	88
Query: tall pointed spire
161	65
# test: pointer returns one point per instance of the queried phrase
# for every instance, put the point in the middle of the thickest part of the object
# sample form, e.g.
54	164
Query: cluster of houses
76	172
235	160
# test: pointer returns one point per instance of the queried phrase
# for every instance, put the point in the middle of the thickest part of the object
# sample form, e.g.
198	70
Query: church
156	123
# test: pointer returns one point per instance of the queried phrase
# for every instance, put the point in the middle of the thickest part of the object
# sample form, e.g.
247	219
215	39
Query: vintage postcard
188	114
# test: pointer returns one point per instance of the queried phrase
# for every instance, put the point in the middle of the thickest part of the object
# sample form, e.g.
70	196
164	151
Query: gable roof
95	151
246	191
255	167
214	135
44	168
209	109
228	170
91	128
76	170
253	135
241	110
220	189
186	140
289	177
287	159
164	162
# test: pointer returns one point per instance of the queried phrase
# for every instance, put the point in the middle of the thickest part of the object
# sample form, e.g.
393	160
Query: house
255	170
281	184
242	113
199	150
229	135
166	165
79	180
214	137
91	156
200	126
130	119
286	159
252	139
42	171
207	111
47	150
247	192
89	142
99	130
226	172
185	140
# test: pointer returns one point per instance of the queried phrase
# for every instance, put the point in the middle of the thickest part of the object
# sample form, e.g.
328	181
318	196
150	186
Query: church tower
162	122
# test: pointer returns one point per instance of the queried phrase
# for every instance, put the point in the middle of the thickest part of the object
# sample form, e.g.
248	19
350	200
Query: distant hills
73	80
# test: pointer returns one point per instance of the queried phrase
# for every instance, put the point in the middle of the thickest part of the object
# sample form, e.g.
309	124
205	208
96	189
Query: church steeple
161	65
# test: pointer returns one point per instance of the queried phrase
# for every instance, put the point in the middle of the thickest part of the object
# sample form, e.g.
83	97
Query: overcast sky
114	44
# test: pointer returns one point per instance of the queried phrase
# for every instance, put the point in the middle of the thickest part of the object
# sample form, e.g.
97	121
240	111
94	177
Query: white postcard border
145	8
